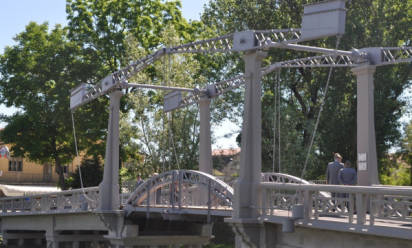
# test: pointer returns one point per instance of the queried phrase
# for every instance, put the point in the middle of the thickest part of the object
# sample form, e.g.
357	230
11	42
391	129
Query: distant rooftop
225	152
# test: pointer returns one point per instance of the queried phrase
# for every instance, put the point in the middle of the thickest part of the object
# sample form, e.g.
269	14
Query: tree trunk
60	173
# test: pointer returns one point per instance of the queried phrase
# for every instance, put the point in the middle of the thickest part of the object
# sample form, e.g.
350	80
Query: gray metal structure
256	204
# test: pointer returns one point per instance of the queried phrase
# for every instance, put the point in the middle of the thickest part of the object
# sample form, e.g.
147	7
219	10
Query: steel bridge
264	210
189	202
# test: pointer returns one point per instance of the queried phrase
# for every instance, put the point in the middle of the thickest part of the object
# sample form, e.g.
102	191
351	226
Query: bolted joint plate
374	55
77	95
211	90
108	83
245	40
172	101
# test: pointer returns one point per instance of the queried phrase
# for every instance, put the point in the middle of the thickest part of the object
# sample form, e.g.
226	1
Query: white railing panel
352	204
77	200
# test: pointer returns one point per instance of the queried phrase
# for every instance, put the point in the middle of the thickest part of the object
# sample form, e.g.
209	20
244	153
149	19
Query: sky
16	14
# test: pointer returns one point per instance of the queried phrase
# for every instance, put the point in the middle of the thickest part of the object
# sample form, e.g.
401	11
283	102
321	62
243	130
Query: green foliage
165	141
397	171
104	25
36	76
92	174
406	149
368	24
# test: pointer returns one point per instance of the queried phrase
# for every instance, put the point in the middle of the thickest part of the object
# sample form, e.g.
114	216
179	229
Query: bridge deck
337	222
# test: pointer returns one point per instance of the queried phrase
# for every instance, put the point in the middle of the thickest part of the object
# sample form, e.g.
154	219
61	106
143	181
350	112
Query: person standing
333	169
347	175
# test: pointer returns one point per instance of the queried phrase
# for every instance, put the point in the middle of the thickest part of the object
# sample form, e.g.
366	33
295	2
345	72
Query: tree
91	173
36	76
116	30
165	141
369	23
104	25
407	148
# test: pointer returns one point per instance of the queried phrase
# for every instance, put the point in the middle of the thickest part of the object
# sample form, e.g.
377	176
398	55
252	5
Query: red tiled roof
225	152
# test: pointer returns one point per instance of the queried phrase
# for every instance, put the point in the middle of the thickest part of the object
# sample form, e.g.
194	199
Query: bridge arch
282	178
182	188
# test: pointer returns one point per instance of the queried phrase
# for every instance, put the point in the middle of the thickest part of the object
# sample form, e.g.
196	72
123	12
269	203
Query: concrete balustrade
379	210
77	200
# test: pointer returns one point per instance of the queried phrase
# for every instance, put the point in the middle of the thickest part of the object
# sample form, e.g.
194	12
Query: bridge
181	207
173	209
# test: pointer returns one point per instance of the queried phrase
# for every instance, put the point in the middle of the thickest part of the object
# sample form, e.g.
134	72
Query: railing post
180	174
172	190
360	208
209	199
351	207
263	193
149	185
307	204
316	214
372	209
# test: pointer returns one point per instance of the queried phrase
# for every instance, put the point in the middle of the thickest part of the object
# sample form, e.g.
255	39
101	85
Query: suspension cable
279	95
79	167
172	140
274	124
320	111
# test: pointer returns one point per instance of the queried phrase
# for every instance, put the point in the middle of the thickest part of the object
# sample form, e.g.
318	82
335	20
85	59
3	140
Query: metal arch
282	178
218	188
274	177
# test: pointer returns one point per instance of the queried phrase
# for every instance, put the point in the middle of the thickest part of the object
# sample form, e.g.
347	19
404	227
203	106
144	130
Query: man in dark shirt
347	175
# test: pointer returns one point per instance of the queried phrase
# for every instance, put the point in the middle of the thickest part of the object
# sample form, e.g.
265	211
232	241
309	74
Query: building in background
18	171
226	164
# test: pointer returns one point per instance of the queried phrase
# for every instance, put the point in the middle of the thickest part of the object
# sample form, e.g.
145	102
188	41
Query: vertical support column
205	150
51	240
246	202
366	140
109	187
246	207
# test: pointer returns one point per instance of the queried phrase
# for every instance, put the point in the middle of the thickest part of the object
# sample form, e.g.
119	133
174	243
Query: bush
92	174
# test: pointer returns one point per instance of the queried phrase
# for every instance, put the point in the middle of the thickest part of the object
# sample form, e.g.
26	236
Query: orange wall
32	172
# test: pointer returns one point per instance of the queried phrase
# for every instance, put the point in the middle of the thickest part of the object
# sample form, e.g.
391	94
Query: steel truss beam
390	55
235	82
264	39
222	44
395	55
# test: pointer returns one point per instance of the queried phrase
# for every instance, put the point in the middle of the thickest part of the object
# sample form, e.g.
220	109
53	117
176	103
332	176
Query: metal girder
235	82
223	44
215	45
137	66
395	55
316	61
267	37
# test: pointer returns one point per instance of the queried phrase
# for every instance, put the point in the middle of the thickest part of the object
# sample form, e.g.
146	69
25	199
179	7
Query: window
15	165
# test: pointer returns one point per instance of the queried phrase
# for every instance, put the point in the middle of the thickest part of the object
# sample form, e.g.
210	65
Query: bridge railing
77	200
360	204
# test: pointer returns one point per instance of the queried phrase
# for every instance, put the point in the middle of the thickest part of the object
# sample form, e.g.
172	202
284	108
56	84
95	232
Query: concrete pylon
246	209
109	187
205	150
366	140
